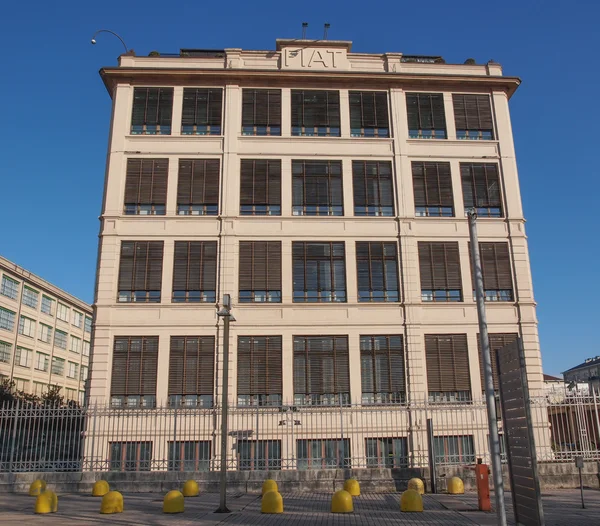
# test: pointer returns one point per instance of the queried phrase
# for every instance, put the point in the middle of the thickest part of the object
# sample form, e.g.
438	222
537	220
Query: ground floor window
456	449
386	452
130	456
324	454
189	456
258	454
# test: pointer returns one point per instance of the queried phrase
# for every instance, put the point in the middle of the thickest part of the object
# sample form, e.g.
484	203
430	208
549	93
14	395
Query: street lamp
93	41
224	313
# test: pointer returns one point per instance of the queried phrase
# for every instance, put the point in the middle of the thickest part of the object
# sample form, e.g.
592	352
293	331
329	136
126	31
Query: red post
482	474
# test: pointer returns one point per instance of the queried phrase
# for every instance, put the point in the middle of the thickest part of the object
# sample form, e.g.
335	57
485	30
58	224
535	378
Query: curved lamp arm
112	33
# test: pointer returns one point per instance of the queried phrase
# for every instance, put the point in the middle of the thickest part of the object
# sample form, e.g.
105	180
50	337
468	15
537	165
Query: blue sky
56	114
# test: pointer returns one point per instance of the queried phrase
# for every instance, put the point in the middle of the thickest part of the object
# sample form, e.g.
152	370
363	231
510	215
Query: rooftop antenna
304	26
327	26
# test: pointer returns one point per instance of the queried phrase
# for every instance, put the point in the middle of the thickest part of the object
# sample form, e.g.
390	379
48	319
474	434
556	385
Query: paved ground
561	508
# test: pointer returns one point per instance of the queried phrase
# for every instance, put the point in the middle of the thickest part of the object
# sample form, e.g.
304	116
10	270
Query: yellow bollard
53	499
269	485
173	502
100	488
456	486
410	500
190	489
37	487
417	485
272	502
43	503
341	502
112	502
353	487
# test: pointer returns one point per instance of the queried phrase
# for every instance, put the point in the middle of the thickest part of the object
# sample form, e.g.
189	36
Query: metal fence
101	438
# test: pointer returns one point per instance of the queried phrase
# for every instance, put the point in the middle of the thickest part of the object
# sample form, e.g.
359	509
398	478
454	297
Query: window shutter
313	108
141	265
198	182
447	360
495	266
319	271
481	185
146	181
191	365
152	106
425	111
202	107
472	112
135	362
195	266
497	342
317	183
260	182
377	268
261	107
259	365
432	184
368	109
372	184
260	265
382	359
439	265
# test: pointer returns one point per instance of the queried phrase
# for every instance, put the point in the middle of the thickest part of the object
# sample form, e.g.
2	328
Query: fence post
342	445
174	439
431	455
14	438
597	430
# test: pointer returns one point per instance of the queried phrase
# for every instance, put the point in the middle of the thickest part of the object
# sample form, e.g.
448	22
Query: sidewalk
561	508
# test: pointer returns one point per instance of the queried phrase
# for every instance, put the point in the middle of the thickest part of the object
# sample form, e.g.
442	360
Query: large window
152	111
134	365
195	272
198	187
41	361
9	288
201	113
319	271
72	371
452	450
382	369
23	357
77	319
5	352
481	189
140	272
83	373
86	348
317	188
259	370
88	324
432	186
260	187
323	454
146	186
386	452
447	361
496	270
47	305
63	312
189	455
27	327
261	112
30	297
130	456
497	341
369	114
192	371
259	454
58	366
75	344
316	113
426	117
321	370
377	268
260	272
373	188
439	265
7	319
473	117
46	334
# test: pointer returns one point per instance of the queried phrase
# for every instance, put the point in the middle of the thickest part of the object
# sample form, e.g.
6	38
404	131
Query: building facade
325	191
45	334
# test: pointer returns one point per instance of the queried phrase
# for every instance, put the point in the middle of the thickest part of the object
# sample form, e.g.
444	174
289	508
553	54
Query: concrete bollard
43	503
37	487
112	502
341	502
272	502
417	485
269	485
456	486
190	489
353	487
100	488
411	501
173	502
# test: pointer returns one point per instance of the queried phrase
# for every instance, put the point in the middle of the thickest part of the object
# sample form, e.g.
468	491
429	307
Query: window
319	271
497	342
321	370
189	456
473	117
198	187
130	456
377	268
261	112
41	361
260	187
5	352
432	186
86	348
152	111
23	357
456	449
260	272
259	454
135	361
316	113
81	398
140	273
439	265
71	394
9	288
369	114
75	345
38	388
88	324
30	297
201	113
46	334
382	369
77	319
495	267
481	189
373	188
83	374
447	361
386	452
21	384
192	371
323	454
7	319
58	366
426	117
195	272
27	326
259	370
47	305
317	188
73	368
146	186
63	312
60	339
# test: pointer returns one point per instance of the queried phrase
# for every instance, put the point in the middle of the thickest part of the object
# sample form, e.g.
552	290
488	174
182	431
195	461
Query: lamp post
93	41
224	313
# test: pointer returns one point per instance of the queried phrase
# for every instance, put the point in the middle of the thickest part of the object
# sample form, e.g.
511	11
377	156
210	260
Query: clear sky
56	115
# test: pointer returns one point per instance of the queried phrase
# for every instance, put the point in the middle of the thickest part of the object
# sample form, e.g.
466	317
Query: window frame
381	204
263	371
272	126
9	287
485	123
382	457
436	174
361	131
202	455
454	382
343	453
32	325
7	319
389	293
252	181
146	184
429	267
260	264
432	113
153	261
379	396
254	462
324	124
472	175
26	299
164	121
206	278
198	176
305	200
142	458
208	125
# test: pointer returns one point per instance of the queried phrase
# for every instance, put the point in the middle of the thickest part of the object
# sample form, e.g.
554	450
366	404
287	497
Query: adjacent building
45	334
587	372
